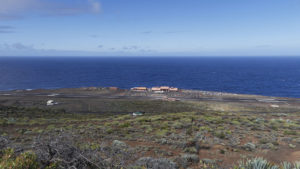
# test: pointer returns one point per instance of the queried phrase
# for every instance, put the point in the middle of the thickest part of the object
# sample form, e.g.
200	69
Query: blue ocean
271	76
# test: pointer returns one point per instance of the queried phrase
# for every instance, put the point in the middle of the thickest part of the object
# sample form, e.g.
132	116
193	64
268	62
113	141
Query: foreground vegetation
28	160
197	138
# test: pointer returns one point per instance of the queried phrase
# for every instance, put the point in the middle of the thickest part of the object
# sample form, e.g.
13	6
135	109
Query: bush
289	132
161	133
192	150
152	163
177	125
256	163
260	163
3	143
287	165
220	134
26	160
124	125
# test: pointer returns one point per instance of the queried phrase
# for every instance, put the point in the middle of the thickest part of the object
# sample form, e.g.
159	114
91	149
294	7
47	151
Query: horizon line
149	56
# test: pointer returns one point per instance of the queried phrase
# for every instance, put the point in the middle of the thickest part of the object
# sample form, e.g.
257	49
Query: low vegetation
260	163
193	136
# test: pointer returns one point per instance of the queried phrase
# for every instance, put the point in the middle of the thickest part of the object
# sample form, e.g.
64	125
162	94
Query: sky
149	27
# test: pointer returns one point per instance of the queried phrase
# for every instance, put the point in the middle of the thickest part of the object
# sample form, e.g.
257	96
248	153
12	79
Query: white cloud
21	49
6	29
13	9
16	47
95	6
12	6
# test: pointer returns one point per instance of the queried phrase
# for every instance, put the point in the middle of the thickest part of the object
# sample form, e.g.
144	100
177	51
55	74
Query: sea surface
271	76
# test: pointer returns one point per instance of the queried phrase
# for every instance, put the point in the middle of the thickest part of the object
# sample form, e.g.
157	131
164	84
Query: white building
50	103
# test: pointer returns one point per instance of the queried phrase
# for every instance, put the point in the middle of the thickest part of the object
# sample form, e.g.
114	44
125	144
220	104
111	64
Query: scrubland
171	134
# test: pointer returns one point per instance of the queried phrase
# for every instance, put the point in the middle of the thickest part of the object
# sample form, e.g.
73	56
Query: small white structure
138	113
163	89
274	105
53	94
51	103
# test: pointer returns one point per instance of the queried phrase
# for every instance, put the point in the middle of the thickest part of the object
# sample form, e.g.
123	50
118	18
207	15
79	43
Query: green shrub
256	163
260	163
289	132
147	128
287	165
189	131
155	118
161	133
124	125
220	134
192	150
205	128
90	146
109	130
177	125
114	123
3	122
26	160
186	120
143	119
214	119
51	127
164	125
234	122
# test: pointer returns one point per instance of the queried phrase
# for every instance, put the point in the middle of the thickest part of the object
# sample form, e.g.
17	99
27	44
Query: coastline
90	88
83	96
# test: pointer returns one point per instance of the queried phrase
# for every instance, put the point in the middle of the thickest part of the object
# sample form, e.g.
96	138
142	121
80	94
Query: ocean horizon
269	76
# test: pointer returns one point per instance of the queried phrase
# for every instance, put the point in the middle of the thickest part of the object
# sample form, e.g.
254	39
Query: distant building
164	89
155	89
174	89
139	89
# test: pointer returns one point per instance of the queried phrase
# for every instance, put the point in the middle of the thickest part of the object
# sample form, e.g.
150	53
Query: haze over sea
270	76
